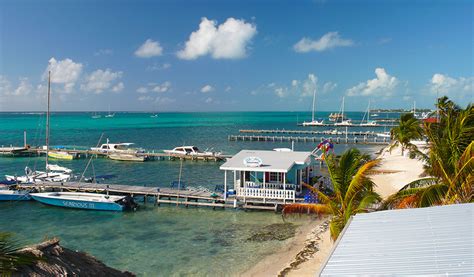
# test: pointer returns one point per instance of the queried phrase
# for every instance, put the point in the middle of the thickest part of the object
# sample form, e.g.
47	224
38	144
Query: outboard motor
129	203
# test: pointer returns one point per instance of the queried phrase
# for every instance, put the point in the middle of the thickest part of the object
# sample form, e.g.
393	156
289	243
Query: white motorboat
313	121
127	157
192	151
120	148
83	200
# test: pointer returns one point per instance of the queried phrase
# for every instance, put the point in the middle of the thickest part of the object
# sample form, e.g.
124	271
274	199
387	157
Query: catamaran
344	121
314	122
88	201
368	123
53	173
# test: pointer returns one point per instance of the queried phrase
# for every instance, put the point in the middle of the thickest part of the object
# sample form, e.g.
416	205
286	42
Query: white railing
266	193
278	186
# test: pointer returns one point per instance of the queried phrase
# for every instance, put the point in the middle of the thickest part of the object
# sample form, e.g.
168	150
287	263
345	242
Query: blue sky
244	55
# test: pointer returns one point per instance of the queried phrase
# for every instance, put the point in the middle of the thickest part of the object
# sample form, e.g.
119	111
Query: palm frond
298	208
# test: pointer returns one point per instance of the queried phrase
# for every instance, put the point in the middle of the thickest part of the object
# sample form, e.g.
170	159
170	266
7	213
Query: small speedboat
127	157
88	201
191	151
61	155
9	194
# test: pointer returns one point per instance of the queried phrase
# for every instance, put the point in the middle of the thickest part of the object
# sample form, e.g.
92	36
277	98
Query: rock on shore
56	260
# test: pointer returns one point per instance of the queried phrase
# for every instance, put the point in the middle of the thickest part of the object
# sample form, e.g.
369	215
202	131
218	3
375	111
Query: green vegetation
11	258
353	191
449	161
408	129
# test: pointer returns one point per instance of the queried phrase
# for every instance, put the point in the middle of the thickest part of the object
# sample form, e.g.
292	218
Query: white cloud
162	88
226	41
118	87
24	87
309	85
102	80
329	86
164	100
157	66
65	72
209	100
444	84
148	49
207	88
281	92
145	98
228	88
326	42
154	87
142	90
382	85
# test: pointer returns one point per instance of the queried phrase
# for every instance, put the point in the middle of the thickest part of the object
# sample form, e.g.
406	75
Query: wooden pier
338	140
307	132
151	155
159	195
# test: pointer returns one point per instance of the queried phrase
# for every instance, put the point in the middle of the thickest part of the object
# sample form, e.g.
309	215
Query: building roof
425	241
272	161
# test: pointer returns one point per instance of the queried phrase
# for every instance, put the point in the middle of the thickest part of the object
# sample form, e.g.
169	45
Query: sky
234	55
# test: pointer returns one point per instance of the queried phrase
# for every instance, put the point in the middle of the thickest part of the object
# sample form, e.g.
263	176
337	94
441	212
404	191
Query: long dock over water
337	139
159	195
307	132
151	155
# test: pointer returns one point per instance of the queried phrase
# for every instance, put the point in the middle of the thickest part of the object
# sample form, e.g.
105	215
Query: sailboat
95	115
314	122
110	115
52	173
368	123
344	121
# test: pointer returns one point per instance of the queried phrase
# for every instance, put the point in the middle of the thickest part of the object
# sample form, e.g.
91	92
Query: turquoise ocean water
155	240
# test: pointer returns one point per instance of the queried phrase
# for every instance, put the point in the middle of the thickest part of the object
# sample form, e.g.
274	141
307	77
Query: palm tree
11	258
450	162
353	191
407	130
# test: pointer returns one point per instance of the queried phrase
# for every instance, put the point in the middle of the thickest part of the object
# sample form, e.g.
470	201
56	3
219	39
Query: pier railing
270	185
266	193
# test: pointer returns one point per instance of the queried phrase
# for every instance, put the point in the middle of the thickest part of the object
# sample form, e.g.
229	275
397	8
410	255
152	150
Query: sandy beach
301	255
395	171
304	254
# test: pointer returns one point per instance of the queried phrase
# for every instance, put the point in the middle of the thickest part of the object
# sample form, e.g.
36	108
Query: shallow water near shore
165	240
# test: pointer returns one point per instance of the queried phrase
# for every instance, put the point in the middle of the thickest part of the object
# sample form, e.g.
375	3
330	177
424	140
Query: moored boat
313	121
192	151
7	193
83	200
61	155
127	157
120	148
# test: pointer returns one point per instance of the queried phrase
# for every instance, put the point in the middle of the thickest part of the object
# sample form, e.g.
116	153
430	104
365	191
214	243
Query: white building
276	176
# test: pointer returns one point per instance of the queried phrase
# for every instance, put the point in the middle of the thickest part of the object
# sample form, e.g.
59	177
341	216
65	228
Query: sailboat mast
342	110
47	120
368	113
314	100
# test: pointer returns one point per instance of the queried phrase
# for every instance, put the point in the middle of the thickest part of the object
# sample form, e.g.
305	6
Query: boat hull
14	196
78	204
61	156
127	157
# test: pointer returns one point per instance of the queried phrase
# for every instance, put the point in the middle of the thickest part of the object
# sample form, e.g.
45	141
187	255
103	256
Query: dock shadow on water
165	241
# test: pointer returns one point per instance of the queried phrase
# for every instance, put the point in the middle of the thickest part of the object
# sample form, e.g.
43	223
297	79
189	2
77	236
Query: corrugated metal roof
273	161
426	241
